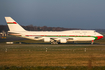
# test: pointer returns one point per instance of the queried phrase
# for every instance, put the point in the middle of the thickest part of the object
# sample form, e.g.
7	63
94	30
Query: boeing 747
54	37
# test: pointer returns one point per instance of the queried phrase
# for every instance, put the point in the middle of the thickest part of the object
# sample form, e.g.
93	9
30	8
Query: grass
57	57
37	56
51	68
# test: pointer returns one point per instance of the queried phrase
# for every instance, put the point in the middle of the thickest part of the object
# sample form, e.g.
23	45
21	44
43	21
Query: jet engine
63	40
47	40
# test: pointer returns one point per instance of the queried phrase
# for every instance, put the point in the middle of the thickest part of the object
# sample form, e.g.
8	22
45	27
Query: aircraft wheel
54	42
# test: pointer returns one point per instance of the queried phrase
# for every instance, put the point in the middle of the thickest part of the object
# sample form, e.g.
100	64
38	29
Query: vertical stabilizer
13	25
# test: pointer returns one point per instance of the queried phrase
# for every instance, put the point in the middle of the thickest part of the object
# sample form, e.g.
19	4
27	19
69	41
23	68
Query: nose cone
99	37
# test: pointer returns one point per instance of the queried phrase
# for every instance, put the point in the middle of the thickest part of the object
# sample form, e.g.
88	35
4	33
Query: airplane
54	37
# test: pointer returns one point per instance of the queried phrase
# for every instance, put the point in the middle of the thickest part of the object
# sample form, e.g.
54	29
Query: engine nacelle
47	40
63	41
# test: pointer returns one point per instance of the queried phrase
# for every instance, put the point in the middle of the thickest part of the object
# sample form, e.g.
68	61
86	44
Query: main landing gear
53	41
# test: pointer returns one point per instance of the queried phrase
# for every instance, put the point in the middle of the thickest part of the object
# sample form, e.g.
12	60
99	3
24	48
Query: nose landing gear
92	42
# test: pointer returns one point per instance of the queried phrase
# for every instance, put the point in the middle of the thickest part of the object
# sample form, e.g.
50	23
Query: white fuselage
70	35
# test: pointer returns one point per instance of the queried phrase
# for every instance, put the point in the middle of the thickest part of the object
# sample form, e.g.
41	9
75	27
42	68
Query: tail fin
13	25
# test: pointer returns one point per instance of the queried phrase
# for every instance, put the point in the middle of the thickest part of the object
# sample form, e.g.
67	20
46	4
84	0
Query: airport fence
47	49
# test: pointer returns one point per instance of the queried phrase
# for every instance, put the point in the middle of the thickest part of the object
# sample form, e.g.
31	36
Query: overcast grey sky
86	14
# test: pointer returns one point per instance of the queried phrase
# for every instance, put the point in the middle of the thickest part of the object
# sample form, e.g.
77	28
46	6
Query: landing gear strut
54	42
92	42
